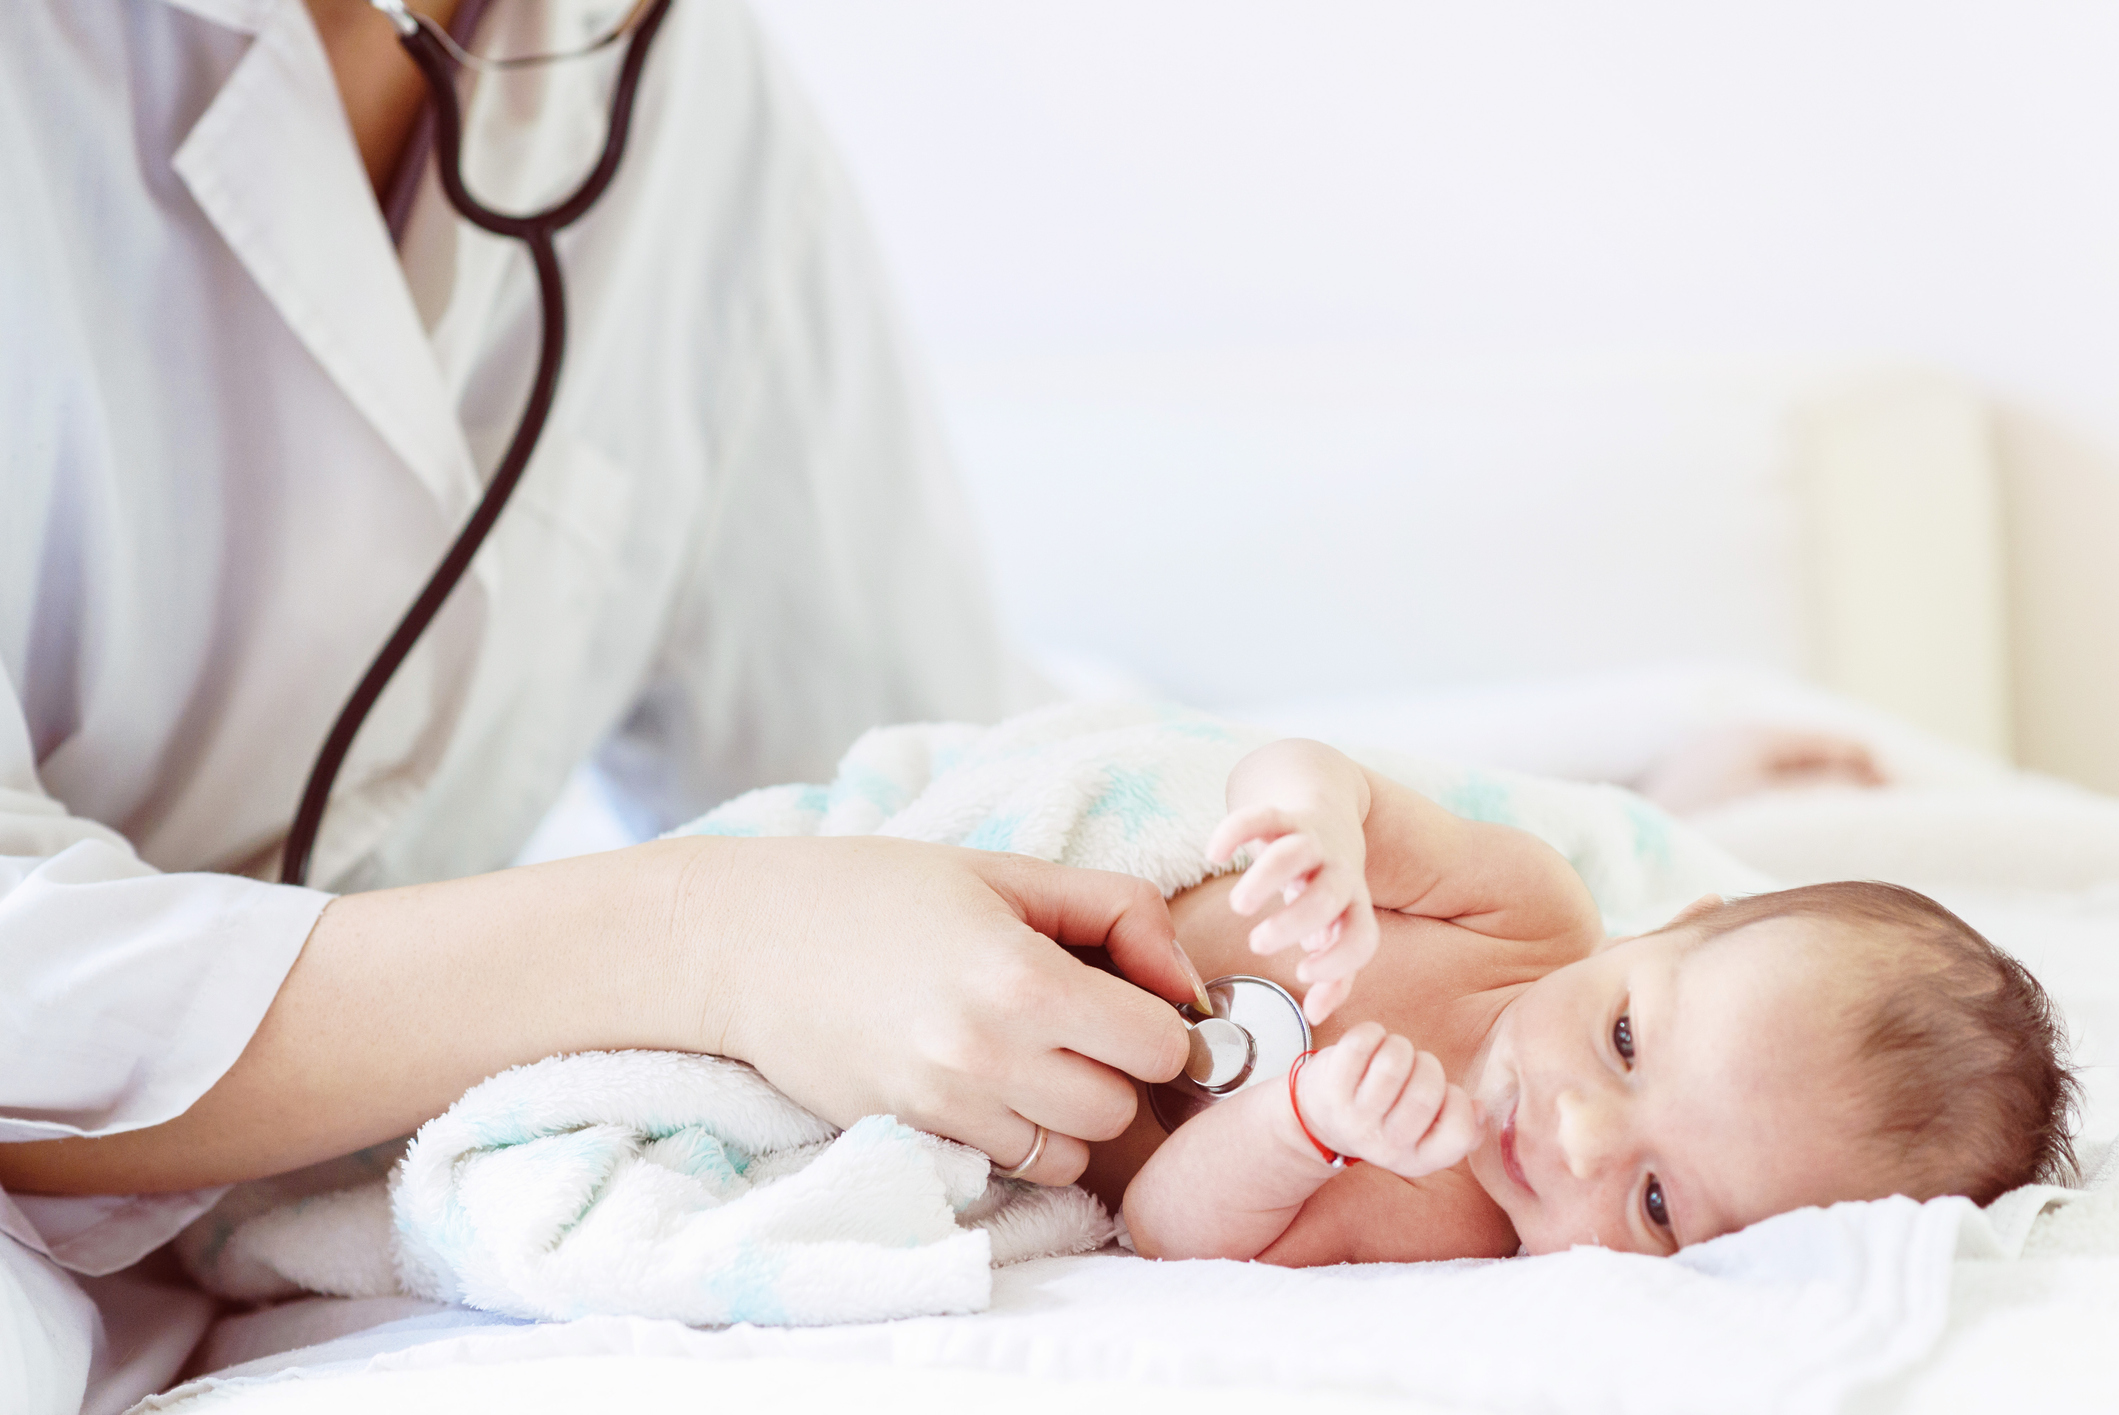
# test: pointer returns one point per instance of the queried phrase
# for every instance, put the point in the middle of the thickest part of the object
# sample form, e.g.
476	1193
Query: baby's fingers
1389	1072
1310	917
1337	1070
1347	946
1454	1135
1432	1126
1330	973
1414	1105
1323	999
1285	861
1239	828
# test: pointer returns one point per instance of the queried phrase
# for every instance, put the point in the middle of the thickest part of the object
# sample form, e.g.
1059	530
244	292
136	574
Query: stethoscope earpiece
1254	1034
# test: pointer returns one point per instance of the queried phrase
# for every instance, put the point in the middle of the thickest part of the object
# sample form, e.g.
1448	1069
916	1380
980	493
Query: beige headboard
1963	568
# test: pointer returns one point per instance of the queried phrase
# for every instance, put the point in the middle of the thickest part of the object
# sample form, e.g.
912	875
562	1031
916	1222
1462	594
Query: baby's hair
1966	1089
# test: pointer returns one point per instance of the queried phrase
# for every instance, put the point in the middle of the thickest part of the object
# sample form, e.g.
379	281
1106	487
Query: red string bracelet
1331	1156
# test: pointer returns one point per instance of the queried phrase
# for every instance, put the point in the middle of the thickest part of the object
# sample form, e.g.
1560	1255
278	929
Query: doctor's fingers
1111	1023
1023	1002
976	1111
1051	1156
1072	1095
1121	914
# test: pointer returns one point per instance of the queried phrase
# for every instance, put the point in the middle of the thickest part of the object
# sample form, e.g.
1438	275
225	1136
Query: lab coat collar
273	165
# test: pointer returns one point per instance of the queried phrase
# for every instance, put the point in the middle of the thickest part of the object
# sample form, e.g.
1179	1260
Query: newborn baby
1507	1077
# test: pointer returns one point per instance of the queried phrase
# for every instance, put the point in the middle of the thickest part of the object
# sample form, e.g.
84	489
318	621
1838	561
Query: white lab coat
236	433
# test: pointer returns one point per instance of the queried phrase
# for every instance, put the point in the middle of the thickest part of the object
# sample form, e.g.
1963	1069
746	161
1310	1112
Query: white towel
687	1187
655	1184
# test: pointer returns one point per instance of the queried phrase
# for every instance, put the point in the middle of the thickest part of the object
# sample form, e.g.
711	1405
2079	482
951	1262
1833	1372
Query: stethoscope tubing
536	231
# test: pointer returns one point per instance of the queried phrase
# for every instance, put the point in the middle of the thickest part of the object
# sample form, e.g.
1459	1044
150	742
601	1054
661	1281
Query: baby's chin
1536	1243
1485	1166
1533	1230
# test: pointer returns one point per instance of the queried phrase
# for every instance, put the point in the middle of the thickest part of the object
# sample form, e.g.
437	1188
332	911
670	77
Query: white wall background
1936	178
1329	344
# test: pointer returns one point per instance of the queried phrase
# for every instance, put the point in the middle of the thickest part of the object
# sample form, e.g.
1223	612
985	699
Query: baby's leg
1721	766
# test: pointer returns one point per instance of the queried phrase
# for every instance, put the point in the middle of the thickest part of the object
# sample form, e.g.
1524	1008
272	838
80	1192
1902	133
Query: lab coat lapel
274	166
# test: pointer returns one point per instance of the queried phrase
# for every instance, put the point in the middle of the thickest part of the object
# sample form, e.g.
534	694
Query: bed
1866	580
1130	1334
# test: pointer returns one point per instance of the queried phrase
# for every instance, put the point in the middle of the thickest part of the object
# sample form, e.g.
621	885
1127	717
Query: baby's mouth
1509	1161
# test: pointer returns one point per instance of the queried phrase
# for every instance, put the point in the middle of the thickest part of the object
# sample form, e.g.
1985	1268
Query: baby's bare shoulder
1442	984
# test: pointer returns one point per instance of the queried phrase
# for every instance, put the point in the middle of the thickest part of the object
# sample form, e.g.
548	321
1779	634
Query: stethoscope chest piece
1255	1033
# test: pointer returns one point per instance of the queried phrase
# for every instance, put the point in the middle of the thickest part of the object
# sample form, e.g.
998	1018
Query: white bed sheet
1128	1334
566	1385
1790	1315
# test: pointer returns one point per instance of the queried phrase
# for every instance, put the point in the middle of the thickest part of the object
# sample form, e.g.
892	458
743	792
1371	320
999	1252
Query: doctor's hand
869	975
860	975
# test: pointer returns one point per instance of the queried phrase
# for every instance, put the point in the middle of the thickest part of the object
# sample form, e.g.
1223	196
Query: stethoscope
432	48
1252	1034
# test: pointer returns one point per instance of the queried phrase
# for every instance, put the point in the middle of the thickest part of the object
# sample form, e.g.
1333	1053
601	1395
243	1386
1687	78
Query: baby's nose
1589	1132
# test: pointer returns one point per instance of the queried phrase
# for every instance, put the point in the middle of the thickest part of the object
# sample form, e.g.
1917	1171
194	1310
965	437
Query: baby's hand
1320	869
1371	1096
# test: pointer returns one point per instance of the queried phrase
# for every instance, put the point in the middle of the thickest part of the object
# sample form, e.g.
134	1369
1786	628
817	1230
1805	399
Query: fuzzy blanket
1138	788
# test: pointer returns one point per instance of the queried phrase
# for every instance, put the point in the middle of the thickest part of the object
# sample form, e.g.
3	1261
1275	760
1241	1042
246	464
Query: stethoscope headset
436	52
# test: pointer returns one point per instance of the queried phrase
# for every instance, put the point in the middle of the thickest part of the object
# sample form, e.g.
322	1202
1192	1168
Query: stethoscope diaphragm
1254	1034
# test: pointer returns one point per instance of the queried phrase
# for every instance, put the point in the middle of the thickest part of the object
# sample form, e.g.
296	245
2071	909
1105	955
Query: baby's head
1841	1041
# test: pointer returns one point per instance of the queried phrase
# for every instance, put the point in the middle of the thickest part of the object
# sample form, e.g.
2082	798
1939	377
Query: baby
1511	1078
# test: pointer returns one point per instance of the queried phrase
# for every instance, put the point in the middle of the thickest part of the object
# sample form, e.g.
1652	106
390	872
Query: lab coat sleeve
125	994
840	583
47	1334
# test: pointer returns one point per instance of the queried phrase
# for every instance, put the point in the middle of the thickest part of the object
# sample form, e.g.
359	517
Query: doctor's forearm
860	975
402	999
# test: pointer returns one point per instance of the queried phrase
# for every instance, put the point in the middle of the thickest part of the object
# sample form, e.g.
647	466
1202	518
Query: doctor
240	419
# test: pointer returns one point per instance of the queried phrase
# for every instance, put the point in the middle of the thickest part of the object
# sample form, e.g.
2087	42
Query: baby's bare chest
1431	981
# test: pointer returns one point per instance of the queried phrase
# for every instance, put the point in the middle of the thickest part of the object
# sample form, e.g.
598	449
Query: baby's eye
1652	1200
1622	1036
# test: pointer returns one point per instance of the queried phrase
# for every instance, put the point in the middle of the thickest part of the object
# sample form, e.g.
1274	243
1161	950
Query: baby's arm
1232	1179
1492	879
1339	839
